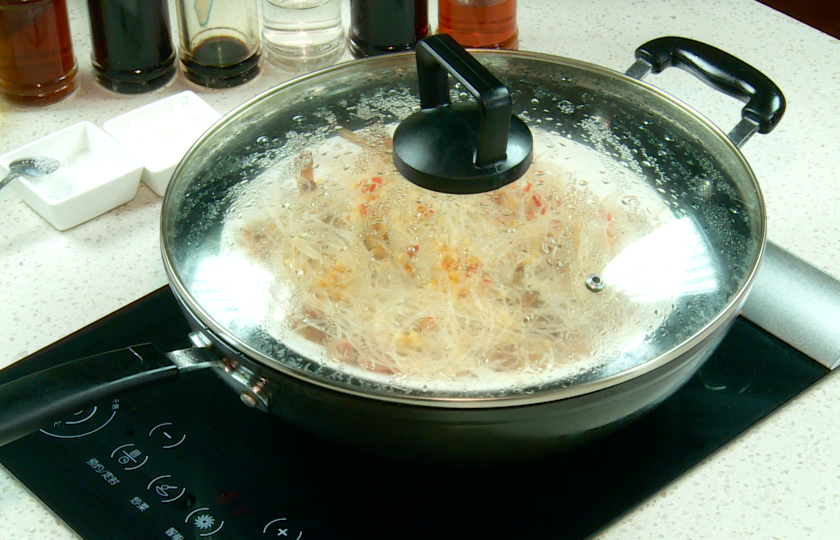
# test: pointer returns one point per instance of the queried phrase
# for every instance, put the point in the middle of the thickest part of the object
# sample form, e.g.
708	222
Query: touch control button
166	488
167	437
279	528
204	522
129	457
84	422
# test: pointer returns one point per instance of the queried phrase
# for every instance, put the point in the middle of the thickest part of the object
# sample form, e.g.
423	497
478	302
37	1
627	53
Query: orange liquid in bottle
489	24
37	66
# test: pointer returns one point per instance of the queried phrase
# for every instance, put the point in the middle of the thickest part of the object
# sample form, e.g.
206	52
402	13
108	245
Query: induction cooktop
187	460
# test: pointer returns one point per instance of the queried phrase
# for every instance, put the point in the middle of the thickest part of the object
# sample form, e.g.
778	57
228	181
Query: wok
693	272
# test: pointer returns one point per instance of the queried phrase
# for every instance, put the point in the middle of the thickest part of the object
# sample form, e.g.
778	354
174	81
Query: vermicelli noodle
399	281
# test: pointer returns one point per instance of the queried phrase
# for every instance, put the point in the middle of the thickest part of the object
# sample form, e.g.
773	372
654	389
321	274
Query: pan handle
765	103
29	402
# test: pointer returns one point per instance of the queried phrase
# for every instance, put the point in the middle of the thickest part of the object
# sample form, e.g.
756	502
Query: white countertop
779	480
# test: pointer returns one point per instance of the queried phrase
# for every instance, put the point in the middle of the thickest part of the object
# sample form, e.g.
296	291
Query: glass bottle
37	65
220	41
132	44
488	24
302	35
384	26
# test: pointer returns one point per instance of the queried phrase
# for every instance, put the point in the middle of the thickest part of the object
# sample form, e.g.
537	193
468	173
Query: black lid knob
465	147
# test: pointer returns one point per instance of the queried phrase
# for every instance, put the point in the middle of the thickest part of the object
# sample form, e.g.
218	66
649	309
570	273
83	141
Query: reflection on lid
237	293
671	262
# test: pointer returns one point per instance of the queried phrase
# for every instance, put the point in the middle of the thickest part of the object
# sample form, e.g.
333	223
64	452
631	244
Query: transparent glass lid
288	228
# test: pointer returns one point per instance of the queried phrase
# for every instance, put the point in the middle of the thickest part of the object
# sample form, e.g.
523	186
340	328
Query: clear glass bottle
488	24
220	41
132	44
37	65
384	26
302	35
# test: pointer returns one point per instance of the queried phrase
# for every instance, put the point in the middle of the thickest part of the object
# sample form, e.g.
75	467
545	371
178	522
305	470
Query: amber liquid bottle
37	66
132	44
488	24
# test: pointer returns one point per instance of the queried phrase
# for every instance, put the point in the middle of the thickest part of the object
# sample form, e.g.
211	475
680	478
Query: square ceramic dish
96	175
160	133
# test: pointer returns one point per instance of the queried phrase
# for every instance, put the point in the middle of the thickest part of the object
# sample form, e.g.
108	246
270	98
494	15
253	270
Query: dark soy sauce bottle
385	26
221	62
219	41
132	44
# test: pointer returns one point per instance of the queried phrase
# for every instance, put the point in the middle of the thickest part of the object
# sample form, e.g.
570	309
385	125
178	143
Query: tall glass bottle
132	44
489	24
384	26
37	65
220	41
302	35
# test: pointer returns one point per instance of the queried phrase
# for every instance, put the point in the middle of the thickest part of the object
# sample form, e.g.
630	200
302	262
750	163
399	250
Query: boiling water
302	35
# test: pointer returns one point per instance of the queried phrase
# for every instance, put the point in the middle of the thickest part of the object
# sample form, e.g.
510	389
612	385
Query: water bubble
632	202
566	107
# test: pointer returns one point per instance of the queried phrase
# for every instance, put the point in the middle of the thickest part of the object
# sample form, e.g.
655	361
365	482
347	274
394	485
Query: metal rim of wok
722	318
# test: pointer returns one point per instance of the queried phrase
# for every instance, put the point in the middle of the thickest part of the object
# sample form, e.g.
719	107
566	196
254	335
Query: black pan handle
765	103
29	402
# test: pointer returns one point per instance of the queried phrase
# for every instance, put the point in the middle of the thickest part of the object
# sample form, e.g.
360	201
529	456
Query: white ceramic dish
160	133
96	175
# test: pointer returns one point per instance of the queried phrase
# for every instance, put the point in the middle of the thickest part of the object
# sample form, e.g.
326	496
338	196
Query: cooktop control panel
158	462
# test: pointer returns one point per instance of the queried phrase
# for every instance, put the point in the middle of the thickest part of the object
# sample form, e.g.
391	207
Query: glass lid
288	231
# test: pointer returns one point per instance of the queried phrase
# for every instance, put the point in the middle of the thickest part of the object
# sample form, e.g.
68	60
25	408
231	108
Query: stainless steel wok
656	306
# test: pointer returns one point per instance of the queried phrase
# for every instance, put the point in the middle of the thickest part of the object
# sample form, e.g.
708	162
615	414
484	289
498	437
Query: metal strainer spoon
35	166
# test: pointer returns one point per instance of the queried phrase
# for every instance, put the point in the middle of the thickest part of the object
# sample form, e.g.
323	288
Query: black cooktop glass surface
187	460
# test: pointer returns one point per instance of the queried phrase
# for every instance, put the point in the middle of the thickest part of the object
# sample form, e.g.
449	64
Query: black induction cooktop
187	460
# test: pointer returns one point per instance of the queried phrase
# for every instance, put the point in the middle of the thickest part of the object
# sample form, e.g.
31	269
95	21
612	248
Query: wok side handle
29	402
765	103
